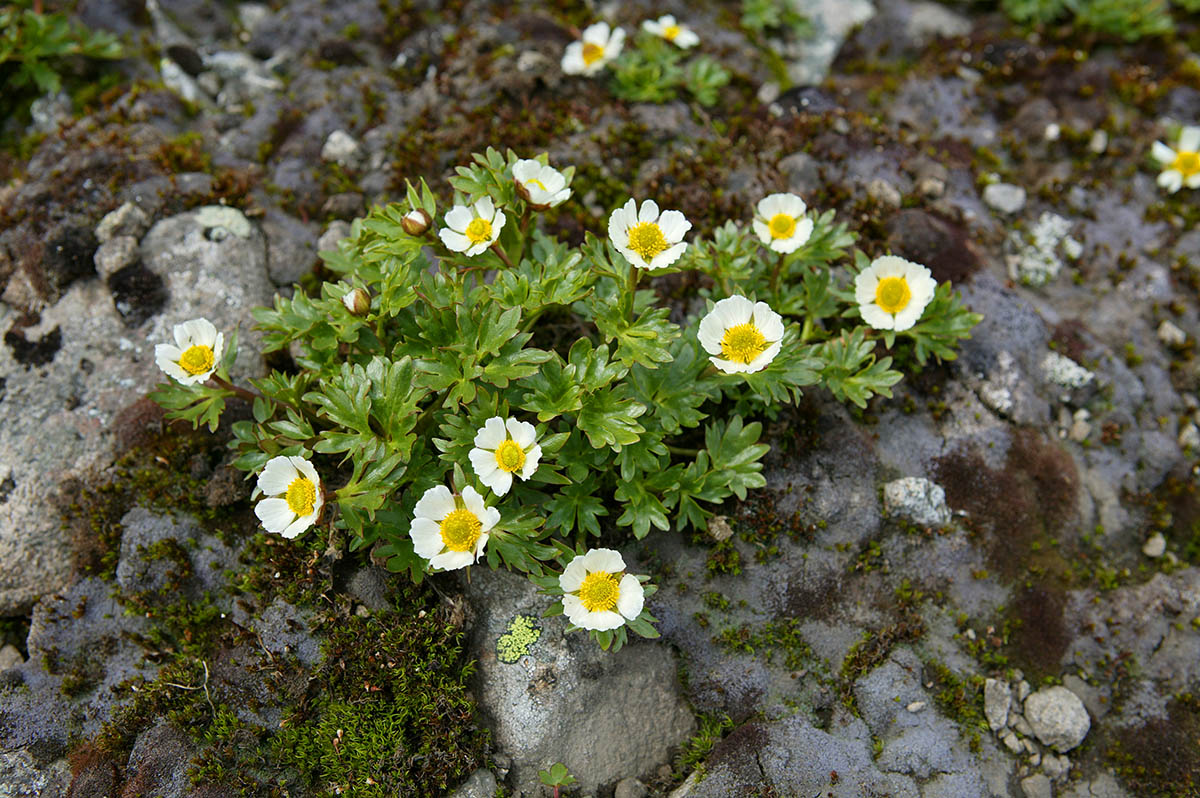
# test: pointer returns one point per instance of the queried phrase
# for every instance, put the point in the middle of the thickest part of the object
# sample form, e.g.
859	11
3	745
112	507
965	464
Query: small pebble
916	706
1004	197
1099	142
1155	546
1170	334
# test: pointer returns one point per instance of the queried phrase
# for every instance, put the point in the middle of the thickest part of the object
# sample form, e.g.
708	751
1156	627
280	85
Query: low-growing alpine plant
474	388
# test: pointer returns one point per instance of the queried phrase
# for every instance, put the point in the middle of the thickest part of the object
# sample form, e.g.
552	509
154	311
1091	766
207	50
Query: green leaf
850	370
735	453
576	507
944	323
643	509
552	391
608	418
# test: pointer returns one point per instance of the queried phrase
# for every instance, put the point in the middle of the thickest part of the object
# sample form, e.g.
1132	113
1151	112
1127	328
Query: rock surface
1057	717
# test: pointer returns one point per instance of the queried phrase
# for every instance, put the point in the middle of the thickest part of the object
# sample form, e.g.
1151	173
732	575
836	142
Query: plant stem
246	394
681	451
806	332
634	276
775	275
496	248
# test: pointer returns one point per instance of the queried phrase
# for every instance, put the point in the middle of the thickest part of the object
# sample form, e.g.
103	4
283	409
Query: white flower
780	223
742	336
416	222
669	29
1180	168
451	530
646	239
597	594
504	447
472	229
541	186
294	492
357	301
196	352
892	293
591	54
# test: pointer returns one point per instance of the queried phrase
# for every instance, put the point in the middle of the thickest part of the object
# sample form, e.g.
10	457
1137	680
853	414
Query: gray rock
291	247
605	715
127	220
22	776
10	657
50	111
159	762
1034	258
1056	767
115	254
630	788
1004	197
343	149
1037	786
336	231
1058	717
884	193
802	173
832	21
996	699
928	20
182	83
917	499
1170	334
480	784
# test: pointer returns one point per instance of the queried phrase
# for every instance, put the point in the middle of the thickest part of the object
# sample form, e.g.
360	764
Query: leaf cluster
654	70
1128	19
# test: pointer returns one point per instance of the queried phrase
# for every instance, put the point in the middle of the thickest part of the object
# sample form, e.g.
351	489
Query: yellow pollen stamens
782	226
196	359
301	496
1186	163
592	53
510	456
460	530
892	295
599	592
647	240
743	343
535	182
479	231
671	32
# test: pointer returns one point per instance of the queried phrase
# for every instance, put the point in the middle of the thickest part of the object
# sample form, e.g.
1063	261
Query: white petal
524	433
710	333
491	434
274	514
875	316
1171	180
490	518
455	241
865	285
652	27
674	225
485	208
686	38
1193	181
525	170
616	43
435	504
426	537
602	621
631	597
734	310
458	217
648	213
761	230
1161	152
596	33
483	462
452	560
764	358
768	322
497	223
498	480
1189	139
572	576
305	468
298	526
481	543
276	476
532	458
607	560
473	502
906	318
573	609
572	60
668	256
726	366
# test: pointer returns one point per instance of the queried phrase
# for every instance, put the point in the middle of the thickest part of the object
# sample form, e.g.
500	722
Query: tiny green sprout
556	777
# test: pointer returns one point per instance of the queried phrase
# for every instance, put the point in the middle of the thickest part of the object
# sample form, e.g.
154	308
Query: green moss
960	699
1161	757
724	558
776	637
521	633
711	728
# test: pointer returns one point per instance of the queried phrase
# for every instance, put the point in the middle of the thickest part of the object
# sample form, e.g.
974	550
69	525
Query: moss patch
1161	757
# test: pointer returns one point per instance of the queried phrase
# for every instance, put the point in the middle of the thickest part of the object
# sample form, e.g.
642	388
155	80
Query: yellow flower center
196	359
743	343
782	225
592	53
460	530
671	32
1187	164
479	231
599	592
892	294
647	240
510	456
533	181
301	496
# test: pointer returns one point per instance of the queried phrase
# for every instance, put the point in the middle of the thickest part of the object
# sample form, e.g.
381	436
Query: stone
928	20
1064	372
342	148
607	715
222	221
291	247
10	657
22	776
1011	741
1155	547
884	193
996	699
1004	197
832	21
1033	258
1171	335
1058	717
630	788
1189	436
802	173
1037	786
917	499
336	231
1098	142
480	784
50	111
1056	767
115	254
180	82
127	220
159	763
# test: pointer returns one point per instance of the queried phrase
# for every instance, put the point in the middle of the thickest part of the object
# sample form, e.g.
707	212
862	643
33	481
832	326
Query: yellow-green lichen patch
520	635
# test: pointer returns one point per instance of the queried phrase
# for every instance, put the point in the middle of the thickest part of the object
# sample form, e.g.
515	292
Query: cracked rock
1057	717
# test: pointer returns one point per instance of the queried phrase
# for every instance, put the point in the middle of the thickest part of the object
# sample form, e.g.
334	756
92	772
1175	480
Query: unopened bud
357	301
416	222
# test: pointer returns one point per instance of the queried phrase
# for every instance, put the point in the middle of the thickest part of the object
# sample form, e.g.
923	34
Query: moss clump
1161	757
522	632
781	637
712	727
960	699
388	713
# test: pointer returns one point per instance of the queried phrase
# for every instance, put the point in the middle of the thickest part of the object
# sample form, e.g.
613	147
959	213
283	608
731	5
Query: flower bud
357	301
416	222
